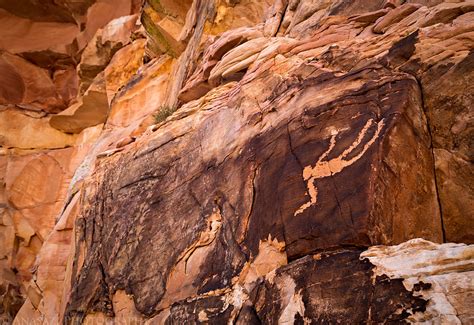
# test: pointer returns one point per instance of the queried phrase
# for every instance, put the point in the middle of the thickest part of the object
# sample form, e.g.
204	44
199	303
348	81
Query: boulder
90	110
28	86
105	43
342	177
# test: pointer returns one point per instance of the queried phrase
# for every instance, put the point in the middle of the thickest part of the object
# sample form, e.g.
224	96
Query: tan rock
275	15
123	66
394	16
171	8
143	95
237	59
197	85
105	43
102	12
90	110
235	14
163	33
307	12
22	228
50	276
441	274
28	313
18	130
446	12
28	191
125	141
370	17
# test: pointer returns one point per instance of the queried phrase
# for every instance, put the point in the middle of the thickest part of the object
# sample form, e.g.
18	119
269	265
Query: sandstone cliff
236	161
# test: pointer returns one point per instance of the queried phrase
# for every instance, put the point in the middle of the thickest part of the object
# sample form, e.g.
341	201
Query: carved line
324	168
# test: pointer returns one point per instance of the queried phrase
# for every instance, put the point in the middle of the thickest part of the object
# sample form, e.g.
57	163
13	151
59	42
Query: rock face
245	162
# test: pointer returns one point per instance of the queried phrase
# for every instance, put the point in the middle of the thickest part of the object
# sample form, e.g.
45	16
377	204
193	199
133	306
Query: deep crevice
427	118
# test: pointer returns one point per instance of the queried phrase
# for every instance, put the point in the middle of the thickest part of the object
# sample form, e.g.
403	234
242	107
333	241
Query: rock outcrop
244	162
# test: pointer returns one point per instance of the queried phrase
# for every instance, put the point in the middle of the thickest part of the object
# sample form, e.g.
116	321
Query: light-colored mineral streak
325	168
447	270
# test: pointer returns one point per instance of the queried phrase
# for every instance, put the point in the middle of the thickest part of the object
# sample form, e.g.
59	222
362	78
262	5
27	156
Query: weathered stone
236	60
19	130
51	34
27	189
10	295
448	96
306	221
123	66
394	16
446	282
100	14
410	283
100	50
233	160
90	110
163	34
235	14
67	83
197	85
21	34
316	289
143	94
28	86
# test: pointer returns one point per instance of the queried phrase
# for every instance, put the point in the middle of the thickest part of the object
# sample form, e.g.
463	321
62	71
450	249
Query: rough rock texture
440	274
245	162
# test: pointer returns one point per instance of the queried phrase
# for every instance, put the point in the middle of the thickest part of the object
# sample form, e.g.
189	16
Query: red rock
105	43
90	110
123	66
142	96
394	16
28	86
236	161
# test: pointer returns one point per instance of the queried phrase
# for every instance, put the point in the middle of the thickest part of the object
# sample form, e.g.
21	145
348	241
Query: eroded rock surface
246	162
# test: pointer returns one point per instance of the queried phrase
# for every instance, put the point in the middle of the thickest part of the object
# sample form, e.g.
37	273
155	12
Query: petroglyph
324	168
207	237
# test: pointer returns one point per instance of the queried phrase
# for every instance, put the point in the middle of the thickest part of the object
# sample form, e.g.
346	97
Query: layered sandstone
242	162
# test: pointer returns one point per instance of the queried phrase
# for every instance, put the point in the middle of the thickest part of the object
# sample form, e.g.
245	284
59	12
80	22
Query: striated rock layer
245	162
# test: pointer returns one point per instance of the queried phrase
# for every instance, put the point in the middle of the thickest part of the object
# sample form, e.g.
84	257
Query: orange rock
394	16
90	110
19	130
66	82
105	43
125	141
27	85
305	139
123	66
25	182
27	35
143	95
99	14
